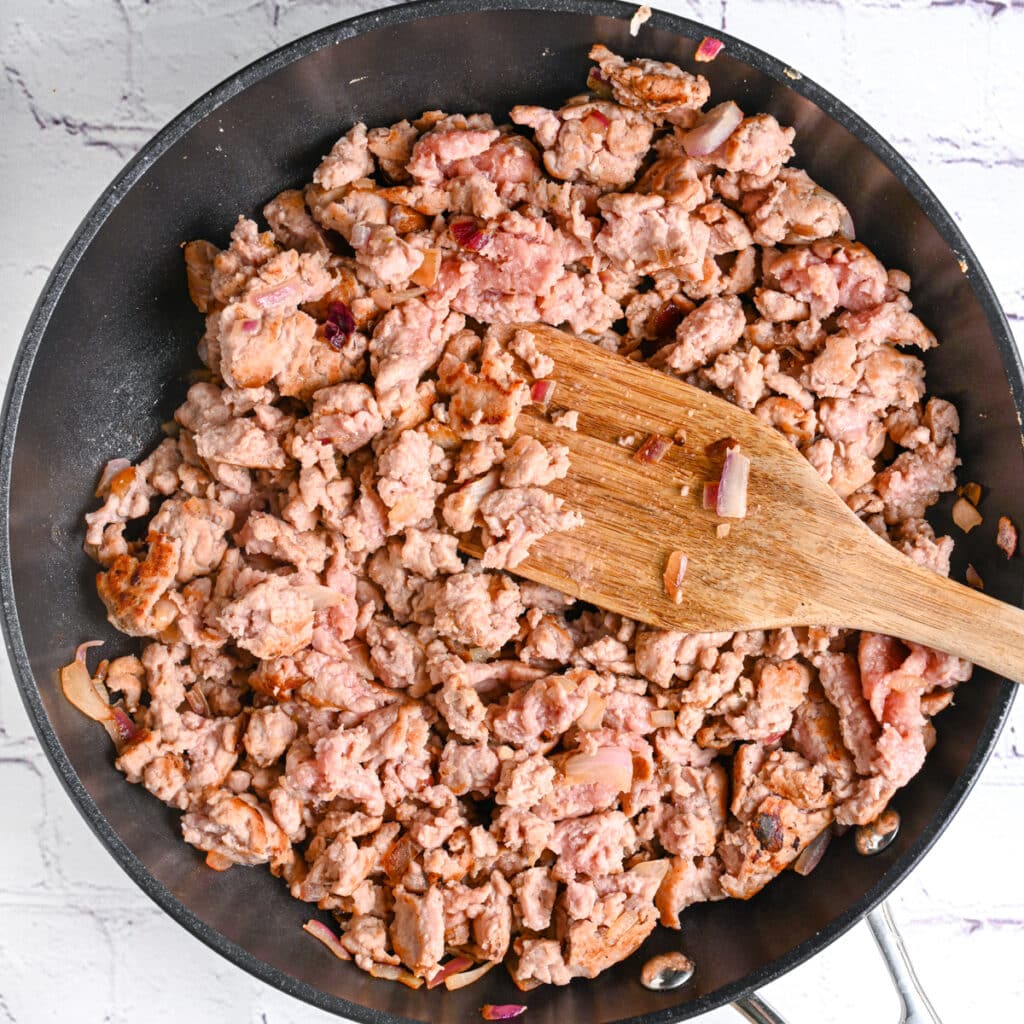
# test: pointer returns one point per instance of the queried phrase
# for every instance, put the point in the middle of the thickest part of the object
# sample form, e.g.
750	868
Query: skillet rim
176	129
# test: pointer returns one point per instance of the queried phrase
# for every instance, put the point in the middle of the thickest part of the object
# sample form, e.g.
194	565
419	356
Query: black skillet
106	358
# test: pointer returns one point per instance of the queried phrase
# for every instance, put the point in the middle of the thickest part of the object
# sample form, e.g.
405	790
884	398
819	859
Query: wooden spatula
799	557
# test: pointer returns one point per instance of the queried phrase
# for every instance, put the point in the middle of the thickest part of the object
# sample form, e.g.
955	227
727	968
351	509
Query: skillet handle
914	1005
756	1010
916	1009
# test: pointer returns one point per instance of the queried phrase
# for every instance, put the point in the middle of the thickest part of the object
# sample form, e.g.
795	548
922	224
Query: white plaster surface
86	82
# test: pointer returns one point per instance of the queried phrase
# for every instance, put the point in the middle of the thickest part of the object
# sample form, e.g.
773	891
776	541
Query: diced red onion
732	488
218	862
476	490
456	981
122	481
541	392
505	1011
399	856
339	325
454	966
528	985
90	697
250	326
468	234
274	297
708	50
665	320
970	491
79	688
321	596
341	316
121	729
321	932
609	766
426	273
710	499
596	119
593	714
598	84
110	470
1006	536
713	129
640	16
385	299
391	973
652	868
359	658
675	570
197	701
965	515
810	856
360	235
334	337
653	449
126	728
846	225
442	435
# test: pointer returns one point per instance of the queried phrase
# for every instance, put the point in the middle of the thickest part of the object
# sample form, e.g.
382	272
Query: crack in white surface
993	8
124	139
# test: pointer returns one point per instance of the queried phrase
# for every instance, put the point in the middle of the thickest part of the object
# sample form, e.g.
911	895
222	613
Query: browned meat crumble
450	761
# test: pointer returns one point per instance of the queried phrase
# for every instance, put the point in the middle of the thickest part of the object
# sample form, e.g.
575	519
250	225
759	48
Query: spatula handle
892	594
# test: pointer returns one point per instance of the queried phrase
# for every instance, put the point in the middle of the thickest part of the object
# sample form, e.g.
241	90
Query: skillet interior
106	360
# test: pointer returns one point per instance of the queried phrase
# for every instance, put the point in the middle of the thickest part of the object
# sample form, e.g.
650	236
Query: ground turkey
454	764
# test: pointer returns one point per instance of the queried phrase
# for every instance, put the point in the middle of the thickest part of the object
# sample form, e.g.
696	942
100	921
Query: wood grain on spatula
799	557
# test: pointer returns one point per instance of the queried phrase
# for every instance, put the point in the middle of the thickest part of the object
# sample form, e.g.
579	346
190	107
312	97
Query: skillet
106	357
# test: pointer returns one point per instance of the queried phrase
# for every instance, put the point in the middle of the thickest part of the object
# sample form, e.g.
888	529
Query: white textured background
86	82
